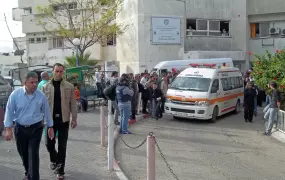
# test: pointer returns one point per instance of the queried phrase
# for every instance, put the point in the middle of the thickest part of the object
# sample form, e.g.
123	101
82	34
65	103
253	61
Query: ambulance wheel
215	114
237	108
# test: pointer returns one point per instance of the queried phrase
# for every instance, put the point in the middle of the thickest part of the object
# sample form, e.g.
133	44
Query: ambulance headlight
168	100
202	103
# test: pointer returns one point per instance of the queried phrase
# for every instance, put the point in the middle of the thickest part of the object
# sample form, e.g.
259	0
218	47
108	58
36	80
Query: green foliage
90	21
270	67
83	60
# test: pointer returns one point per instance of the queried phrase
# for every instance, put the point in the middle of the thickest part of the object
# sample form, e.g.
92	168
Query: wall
232	10
109	53
265	6
149	54
127	44
260	46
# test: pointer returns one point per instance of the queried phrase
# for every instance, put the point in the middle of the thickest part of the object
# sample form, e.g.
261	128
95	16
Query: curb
280	136
117	169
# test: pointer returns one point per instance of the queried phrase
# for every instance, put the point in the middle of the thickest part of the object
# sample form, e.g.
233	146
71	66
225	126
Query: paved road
227	150
86	159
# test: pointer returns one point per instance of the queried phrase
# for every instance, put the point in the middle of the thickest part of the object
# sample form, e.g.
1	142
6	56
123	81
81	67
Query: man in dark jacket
249	99
113	82
135	88
156	97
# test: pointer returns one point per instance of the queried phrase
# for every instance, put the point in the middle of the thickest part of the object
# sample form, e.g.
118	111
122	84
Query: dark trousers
84	103
248	112
28	145
99	90
59	156
144	105
162	104
133	114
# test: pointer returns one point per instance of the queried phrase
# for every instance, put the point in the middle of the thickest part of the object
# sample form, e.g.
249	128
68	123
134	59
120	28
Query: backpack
109	91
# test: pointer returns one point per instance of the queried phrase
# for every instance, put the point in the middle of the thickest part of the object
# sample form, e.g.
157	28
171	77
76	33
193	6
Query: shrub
270	67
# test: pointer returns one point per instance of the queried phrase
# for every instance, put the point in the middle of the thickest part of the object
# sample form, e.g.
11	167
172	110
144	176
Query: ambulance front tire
215	114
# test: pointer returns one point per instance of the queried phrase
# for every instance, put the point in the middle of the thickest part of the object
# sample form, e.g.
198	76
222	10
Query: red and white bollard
102	125
150	157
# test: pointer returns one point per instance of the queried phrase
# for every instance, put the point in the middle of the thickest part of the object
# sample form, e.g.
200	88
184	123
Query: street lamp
76	43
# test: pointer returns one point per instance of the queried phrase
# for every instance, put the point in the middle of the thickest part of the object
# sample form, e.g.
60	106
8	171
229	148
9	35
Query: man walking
62	102
110	93
45	79
272	112
27	107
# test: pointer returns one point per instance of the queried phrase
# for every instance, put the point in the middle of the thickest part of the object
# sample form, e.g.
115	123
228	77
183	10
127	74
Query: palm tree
83	60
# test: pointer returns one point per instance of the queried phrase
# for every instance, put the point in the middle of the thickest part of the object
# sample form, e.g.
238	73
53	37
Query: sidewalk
198	150
86	159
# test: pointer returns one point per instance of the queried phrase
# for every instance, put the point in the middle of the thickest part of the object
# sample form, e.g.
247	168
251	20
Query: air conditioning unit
274	31
283	32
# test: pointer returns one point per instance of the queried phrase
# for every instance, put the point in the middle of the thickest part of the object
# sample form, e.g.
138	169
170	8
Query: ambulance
205	92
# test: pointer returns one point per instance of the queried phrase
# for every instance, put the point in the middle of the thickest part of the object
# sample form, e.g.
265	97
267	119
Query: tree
83	60
270	67
89	20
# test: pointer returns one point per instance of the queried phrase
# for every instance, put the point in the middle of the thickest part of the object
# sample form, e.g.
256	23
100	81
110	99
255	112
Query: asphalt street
197	150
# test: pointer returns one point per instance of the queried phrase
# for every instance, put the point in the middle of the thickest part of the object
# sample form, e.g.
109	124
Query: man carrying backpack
110	94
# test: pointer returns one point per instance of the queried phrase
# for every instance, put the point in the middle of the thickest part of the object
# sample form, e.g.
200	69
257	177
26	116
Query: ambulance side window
225	84
215	86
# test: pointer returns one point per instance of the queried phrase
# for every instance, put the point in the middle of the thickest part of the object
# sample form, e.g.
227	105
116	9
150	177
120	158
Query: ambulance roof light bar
203	65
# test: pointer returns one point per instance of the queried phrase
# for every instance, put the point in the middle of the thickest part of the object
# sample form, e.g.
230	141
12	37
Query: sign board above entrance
165	30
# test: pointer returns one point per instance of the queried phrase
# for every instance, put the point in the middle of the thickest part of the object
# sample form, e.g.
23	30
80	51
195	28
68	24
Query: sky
6	43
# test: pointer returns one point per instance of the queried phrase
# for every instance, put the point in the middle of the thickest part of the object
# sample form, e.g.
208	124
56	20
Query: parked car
15	84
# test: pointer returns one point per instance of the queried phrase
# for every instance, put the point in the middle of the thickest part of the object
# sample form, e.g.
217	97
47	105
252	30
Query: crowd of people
255	96
124	92
55	100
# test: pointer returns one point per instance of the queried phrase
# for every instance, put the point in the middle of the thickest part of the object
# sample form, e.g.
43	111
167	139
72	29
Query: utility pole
13	38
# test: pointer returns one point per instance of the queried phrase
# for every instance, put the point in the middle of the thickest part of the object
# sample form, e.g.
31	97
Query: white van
166	66
205	93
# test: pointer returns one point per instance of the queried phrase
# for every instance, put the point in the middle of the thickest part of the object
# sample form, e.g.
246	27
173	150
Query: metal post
139	103
102	125
77	62
150	157
110	137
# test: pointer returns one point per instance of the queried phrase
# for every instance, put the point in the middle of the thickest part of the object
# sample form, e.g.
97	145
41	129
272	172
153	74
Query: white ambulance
205	92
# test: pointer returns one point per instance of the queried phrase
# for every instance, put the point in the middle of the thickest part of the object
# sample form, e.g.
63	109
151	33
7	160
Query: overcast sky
6	43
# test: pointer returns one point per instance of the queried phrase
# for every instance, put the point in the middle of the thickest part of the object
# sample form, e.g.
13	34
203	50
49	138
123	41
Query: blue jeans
255	104
271	117
125	112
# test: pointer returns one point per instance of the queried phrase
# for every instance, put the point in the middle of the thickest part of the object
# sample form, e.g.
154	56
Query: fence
280	121
150	140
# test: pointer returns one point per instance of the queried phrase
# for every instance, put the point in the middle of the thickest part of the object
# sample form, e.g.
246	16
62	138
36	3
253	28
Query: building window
28	11
44	40
39	40
32	40
57	42
204	27
259	30
111	40
72	6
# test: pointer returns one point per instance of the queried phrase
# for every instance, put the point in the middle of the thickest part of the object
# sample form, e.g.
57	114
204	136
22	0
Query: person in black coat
156	96
249	98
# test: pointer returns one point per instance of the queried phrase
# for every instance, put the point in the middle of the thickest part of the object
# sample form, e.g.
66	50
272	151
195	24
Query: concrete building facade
174	29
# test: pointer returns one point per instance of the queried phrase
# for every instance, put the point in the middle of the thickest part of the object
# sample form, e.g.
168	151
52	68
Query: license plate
2	94
181	114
